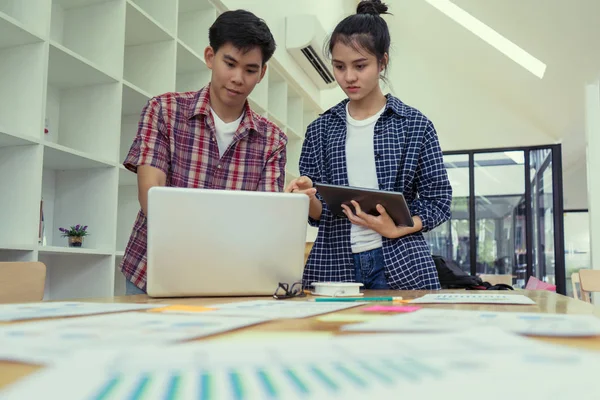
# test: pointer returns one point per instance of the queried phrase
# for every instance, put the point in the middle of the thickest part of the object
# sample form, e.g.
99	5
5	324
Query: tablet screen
393	202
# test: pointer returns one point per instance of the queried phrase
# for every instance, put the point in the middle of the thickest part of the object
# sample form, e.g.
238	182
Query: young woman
372	140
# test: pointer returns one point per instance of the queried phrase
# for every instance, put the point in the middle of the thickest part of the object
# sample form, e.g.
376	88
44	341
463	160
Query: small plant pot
75	241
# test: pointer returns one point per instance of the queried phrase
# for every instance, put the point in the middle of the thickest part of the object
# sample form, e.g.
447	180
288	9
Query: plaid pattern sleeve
408	161
151	145
431	180
311	162
273	176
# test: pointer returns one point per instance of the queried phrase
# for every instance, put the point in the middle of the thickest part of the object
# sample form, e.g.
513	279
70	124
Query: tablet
393	202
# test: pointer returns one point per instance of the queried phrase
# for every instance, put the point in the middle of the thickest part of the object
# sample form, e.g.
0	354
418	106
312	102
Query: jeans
369	269
131	289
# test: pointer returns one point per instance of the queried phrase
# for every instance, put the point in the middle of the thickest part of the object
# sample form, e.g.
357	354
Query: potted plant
75	234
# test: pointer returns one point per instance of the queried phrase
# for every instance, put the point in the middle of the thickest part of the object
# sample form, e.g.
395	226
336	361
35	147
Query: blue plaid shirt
409	160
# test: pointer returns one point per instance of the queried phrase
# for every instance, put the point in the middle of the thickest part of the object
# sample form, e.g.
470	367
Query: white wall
592	93
465	115
575	187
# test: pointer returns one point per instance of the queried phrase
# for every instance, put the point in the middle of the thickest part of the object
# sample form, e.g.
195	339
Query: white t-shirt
225	131
360	161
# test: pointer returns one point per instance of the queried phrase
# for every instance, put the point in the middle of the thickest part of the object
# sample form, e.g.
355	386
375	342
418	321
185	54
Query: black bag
453	277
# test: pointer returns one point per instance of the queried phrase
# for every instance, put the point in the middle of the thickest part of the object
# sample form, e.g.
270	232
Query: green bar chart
267	382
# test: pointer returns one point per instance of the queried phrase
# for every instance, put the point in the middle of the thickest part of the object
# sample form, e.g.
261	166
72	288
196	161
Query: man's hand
304	185
147	177
382	224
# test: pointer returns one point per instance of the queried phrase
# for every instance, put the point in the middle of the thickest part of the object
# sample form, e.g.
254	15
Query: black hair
364	30
244	31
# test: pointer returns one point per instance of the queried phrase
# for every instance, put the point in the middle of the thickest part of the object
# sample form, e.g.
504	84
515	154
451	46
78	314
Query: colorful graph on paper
359	366
263	382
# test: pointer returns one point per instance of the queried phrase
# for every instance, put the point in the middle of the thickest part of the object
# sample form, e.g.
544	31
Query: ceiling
475	93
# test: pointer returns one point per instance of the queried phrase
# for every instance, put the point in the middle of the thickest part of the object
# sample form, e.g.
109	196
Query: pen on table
358	299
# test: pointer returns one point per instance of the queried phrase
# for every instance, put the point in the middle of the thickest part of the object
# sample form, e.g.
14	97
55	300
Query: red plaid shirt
176	134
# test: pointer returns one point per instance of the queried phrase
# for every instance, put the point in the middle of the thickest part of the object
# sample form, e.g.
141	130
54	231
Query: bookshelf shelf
192	72
72	250
74	77
81	28
13	33
142	28
22	71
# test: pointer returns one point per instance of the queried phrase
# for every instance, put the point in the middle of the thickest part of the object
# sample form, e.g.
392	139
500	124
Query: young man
210	138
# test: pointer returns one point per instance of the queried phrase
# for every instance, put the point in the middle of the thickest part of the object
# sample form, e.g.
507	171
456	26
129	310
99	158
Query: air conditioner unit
305	38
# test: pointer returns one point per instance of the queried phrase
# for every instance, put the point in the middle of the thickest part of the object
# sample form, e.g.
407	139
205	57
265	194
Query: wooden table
546	302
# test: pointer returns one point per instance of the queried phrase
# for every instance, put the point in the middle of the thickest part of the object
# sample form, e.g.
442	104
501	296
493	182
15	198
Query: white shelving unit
74	77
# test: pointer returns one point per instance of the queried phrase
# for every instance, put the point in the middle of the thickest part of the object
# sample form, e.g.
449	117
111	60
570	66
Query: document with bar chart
433	320
346	367
47	342
473	298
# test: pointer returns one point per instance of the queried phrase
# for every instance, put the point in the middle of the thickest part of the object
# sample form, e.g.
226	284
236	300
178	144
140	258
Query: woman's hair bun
375	7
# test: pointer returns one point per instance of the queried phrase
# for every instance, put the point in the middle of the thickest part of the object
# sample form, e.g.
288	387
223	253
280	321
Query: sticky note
182	309
392	308
347	317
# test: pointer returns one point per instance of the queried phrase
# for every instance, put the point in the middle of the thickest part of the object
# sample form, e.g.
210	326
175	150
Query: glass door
499	194
451	240
507	215
544	260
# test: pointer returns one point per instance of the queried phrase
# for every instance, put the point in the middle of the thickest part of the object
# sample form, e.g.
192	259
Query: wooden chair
574	283
307	248
589	281
22	281
496	279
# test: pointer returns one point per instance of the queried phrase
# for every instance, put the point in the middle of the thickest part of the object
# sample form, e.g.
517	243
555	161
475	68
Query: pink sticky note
392	308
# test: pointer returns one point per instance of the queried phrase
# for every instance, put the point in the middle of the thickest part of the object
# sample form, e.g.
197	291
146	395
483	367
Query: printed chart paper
434	320
25	311
397	309
275	309
377	366
46	342
475	298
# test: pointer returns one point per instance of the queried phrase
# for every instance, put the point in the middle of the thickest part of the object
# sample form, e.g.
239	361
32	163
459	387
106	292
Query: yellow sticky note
181	309
348	317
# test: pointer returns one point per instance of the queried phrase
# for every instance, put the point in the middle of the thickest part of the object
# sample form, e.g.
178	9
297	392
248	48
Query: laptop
204	242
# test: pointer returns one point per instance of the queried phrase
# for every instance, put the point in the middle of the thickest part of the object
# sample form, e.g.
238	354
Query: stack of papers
47	342
25	311
362	366
473	298
273	309
435	320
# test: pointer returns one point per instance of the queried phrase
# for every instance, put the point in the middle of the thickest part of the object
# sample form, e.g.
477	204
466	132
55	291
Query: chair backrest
589	281
496	279
22	281
574	283
307	248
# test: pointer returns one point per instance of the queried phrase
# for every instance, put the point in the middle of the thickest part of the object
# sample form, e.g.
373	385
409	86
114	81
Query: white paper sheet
25	311
434	320
348	367
275	309
474	298
46	342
